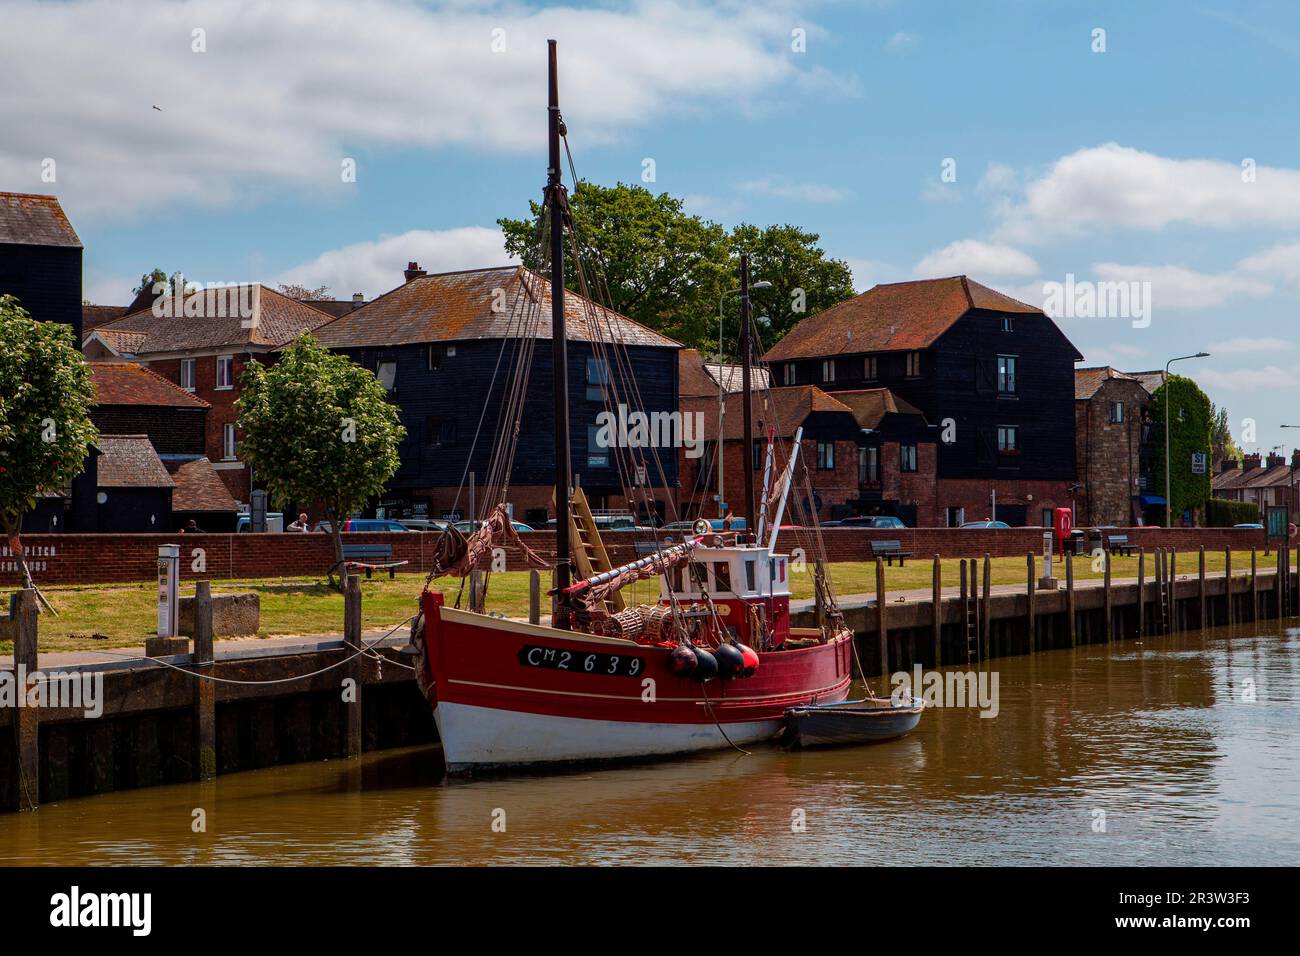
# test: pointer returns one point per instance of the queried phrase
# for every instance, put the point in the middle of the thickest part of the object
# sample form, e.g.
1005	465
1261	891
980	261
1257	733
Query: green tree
1190	424
319	427
304	294
46	395
647	258
1221	435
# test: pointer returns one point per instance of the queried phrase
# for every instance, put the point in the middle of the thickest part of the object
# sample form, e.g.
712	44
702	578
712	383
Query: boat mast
557	203
747	449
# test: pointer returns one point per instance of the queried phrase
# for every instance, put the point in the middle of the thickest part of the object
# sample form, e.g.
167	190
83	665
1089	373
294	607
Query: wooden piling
1069	599
1277	582
26	794
985	610
1029	602
1254	585
881	632
1200	574
534	597
936	607
1142	592
355	668
205	691
1107	599
1173	589
1227	583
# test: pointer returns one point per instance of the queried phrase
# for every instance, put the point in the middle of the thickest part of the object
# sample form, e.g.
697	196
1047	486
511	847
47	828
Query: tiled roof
870	405
199	487
334	307
786	408
30	220
899	316
480	304
1150	380
692	380
129	461
1088	380
122	343
276	320
93	316
730	376
126	383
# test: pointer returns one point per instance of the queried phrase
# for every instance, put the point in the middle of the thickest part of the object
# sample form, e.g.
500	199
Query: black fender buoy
731	662
682	661
706	666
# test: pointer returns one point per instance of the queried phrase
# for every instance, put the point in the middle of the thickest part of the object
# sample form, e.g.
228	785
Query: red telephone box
1064	524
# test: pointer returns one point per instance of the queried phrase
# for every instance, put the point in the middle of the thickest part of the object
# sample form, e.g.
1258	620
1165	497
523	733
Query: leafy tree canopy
302	293
46	395
649	259
1190	426
318	427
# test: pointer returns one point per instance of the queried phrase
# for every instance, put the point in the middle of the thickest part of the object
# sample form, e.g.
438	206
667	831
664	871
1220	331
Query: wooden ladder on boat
589	554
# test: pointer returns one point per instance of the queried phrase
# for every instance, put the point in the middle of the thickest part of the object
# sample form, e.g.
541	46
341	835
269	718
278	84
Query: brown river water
1151	753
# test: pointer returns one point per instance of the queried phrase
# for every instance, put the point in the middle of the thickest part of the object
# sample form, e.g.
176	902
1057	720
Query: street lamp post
722	390
1169	505
1292	496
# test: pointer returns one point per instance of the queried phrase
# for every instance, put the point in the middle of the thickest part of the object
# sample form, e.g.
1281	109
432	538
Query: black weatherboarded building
40	259
445	345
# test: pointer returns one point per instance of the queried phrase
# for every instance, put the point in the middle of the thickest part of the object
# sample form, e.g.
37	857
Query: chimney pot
1252	461
1229	464
358	300
413	271
1275	459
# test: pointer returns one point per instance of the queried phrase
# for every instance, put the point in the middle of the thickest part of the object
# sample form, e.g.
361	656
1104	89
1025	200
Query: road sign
1200	462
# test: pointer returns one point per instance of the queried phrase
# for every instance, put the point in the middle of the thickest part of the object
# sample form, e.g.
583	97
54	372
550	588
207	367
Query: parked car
1250	524
468	527
986	524
737	524
425	524
365	524
274	522
872	521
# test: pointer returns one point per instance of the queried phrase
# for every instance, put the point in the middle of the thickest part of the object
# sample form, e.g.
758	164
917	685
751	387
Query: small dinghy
850	722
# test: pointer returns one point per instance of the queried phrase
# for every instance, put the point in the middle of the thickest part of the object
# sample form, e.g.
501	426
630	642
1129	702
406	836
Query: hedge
1222	513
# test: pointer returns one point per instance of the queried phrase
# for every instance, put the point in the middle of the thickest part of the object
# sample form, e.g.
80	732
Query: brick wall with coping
95	559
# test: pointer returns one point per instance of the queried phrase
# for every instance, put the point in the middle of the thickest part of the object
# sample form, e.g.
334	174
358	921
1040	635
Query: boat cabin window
699	577
751	575
721	576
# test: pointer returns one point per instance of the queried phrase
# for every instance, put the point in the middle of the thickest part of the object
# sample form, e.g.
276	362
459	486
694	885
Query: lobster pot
629	624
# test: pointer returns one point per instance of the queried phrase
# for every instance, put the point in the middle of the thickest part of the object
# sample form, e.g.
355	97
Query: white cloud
1113	186
376	267
1281	262
1245	346
871	272
975	258
901	41
1177	287
286	90
1270	378
998	179
779	187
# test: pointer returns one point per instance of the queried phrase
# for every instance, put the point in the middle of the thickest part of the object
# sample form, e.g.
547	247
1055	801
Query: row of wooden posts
26	720
976	606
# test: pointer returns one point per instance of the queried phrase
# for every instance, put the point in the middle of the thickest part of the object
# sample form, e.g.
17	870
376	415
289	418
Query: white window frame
826	456
913	364
1008	370
228	363
1117	413
229	447
908	455
828	370
191	366
788	375
1011	431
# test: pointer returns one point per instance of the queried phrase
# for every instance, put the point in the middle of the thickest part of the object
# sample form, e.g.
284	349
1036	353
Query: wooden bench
370	557
1120	543
890	550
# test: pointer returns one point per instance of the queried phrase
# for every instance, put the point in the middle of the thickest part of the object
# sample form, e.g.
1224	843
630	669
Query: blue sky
1124	165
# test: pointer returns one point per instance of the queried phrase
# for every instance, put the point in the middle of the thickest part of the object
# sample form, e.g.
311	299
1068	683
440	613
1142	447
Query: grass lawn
121	615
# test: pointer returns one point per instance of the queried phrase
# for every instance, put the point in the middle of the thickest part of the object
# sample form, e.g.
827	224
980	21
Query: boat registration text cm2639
557	658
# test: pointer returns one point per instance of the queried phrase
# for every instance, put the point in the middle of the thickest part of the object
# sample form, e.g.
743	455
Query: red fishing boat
714	663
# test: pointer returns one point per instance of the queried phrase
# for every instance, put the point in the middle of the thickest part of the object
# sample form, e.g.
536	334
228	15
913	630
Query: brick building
1262	480
1112	432
995	375
202	345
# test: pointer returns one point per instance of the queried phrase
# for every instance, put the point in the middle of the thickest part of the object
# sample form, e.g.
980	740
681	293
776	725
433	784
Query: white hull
483	737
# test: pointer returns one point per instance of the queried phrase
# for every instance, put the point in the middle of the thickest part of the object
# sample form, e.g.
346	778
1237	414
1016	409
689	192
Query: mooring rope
279	680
